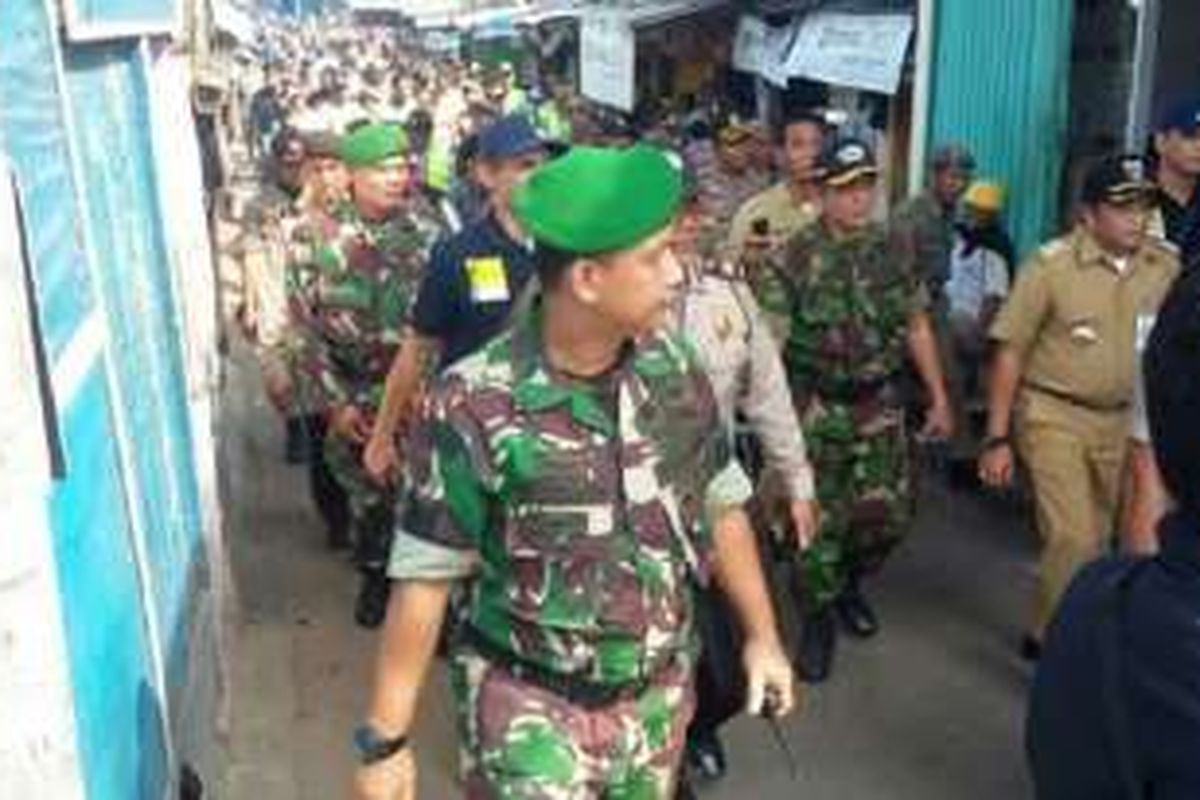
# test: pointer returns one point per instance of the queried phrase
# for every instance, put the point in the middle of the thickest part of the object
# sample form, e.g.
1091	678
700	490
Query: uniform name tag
488	280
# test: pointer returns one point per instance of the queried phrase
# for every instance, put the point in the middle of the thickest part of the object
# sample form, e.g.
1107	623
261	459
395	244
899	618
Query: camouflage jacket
929	230
350	285
583	502
847	304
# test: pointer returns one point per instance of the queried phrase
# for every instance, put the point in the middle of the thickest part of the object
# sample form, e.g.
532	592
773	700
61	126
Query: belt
1075	400
575	689
847	391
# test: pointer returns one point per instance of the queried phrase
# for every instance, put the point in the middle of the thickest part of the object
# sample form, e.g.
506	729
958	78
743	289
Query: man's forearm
923	347
739	574
410	636
403	380
1002	392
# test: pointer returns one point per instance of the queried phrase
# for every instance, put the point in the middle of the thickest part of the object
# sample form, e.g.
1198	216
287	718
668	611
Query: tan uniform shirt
737	350
1073	319
777	206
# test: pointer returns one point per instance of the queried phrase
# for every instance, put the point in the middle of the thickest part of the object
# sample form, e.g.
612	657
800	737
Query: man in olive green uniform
1062	383
927	223
854	310
577	471
350	287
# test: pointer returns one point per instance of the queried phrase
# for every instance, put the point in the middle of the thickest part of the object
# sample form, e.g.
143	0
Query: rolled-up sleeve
445	513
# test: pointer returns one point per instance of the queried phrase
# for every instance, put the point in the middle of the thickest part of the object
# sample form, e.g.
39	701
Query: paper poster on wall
863	51
91	20
749	45
607	56
24	454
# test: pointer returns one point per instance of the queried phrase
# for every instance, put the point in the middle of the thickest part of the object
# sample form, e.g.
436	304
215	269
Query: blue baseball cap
509	137
1183	116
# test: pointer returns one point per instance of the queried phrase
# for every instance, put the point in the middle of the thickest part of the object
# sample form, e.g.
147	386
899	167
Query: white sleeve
1139	428
995	275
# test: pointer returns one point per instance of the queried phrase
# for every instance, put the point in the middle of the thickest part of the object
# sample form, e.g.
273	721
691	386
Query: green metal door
1001	78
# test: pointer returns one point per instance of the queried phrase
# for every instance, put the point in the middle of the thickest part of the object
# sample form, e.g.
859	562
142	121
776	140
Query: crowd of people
563	382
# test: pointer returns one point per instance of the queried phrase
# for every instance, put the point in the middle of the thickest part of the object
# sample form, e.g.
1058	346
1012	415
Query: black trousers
327	493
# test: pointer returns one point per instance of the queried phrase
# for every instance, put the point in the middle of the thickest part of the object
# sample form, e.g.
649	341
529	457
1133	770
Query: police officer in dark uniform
1177	174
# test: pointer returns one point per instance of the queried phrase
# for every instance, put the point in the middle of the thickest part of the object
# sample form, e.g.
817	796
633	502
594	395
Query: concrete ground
931	709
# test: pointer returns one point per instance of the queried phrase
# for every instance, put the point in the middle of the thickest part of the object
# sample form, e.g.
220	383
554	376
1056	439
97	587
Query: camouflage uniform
579	507
350	285
848	303
928	230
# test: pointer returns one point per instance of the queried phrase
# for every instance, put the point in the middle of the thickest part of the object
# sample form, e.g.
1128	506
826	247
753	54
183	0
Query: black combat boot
706	754
296	444
373	594
855	613
817	645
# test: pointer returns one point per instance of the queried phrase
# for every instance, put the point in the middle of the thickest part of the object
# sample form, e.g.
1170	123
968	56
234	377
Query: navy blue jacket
1070	730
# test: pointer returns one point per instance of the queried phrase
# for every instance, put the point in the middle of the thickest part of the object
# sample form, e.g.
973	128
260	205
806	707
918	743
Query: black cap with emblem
1118	180
846	161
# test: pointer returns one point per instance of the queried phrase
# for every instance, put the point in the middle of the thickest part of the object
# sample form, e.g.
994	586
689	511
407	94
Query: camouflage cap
597	200
953	156
322	145
371	144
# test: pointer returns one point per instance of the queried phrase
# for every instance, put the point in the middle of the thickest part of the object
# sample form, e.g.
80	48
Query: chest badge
488	280
724	328
1084	333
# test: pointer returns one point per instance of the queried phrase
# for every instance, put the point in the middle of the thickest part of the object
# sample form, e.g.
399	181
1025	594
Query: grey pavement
931	709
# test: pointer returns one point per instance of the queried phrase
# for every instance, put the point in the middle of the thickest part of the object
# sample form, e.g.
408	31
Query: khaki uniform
1072	318
779	208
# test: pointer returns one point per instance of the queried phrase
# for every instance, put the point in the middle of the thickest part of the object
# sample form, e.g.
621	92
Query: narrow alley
934	705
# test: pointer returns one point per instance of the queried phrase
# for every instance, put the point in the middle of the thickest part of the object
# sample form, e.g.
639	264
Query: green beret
598	200
371	144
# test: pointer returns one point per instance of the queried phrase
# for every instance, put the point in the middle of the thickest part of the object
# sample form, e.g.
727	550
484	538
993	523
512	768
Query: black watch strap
373	746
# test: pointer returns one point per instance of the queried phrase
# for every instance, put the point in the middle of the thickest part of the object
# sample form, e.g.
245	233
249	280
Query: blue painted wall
106	605
34	135
116	713
108	89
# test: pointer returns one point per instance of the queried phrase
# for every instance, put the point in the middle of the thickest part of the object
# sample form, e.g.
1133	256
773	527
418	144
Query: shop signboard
607	55
861	51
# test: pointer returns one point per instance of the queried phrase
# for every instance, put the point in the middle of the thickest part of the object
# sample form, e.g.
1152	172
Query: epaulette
1054	247
1165	247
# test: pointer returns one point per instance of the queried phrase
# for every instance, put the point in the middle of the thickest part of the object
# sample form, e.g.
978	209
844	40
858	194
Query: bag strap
1116	710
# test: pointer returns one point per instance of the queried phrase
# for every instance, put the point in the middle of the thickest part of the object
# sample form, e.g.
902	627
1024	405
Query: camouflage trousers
523	742
372	512
861	455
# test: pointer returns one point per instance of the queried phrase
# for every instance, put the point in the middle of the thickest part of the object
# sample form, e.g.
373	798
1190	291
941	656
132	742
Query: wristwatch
995	442
373	746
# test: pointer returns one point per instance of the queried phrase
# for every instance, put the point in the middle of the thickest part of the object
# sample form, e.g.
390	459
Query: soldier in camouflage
576	470
853	310
926	224
351	281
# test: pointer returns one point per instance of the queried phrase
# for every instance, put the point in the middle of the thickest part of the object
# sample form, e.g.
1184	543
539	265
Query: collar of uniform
1089	253
537	386
491	224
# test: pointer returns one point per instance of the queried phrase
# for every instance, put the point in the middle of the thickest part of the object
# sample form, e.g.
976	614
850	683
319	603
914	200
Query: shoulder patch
1054	247
1163	247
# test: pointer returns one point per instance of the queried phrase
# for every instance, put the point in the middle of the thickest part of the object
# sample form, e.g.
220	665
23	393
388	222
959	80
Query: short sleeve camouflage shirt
583	501
351	283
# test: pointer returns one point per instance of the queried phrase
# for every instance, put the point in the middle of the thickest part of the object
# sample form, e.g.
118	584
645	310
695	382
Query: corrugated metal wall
1001	81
